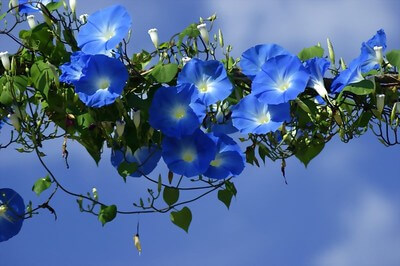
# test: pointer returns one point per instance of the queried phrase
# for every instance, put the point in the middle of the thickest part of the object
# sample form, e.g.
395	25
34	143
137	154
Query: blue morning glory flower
281	79
317	68
176	111
147	158
190	155
210	79
12	210
225	128
252	115
72	71
372	52
26	7
346	77
102	82
104	30
254	57
229	159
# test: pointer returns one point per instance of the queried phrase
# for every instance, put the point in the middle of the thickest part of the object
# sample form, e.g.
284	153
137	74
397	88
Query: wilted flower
5	60
204	32
31	21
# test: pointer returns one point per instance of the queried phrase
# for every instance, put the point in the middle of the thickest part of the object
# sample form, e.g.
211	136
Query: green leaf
363	87
394	58
164	73
191	31
182	218
225	196
306	154
107	214
231	187
41	185
170	195
126	168
311	52
54	5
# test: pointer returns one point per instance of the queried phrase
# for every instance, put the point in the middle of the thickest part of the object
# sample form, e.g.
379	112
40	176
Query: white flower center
179	112
104	83
216	162
283	86
203	87
108	34
188	156
264	118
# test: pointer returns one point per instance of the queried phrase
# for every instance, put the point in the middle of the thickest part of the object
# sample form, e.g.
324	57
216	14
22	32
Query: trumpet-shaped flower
281	79
210	79
72	71
146	157
372	52
5	60
176	111
102	82
346	77
229	159
254	57
26	7
104	30
12	210
252	115
190	155
317	68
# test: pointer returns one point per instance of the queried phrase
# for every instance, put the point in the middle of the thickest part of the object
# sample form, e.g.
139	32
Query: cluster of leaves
40	108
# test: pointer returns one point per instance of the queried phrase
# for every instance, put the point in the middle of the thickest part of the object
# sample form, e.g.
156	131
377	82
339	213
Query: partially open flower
204	33
31	21
72	5
154	36
5	60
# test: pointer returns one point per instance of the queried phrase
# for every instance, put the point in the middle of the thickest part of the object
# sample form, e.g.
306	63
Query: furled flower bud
331	51
220	38
154	36
83	18
380	102
15	121
185	60
136	241
342	64
72	5
31	21
120	127
378	52
204	33
5	60
136	118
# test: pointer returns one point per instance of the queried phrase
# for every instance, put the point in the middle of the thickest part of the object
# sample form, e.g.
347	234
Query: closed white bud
5	60
397	107
380	102
72	5
83	18
204	33
185	60
378	53
15	121
154	36
120	127
136	241
31	21
136	118
342	64
95	194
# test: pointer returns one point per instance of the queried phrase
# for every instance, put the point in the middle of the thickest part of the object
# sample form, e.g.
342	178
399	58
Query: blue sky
341	210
